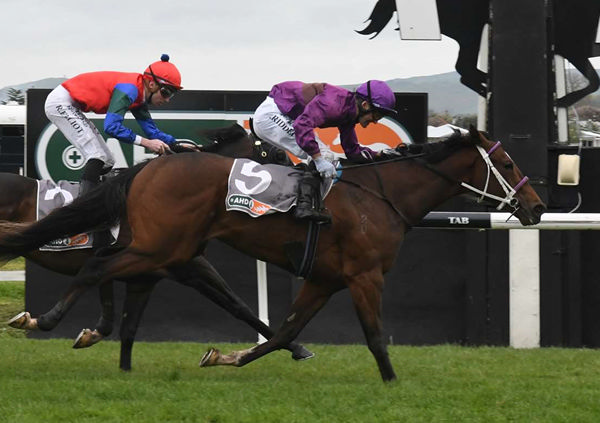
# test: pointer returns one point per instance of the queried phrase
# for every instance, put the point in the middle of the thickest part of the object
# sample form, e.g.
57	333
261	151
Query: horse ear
475	135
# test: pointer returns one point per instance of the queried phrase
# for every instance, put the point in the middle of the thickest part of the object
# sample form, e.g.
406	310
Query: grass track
48	381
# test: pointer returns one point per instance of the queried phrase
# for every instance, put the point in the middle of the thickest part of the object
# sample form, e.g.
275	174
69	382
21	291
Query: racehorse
372	208
18	204
573	34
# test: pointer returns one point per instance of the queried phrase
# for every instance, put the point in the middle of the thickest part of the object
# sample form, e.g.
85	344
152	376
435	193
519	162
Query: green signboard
57	159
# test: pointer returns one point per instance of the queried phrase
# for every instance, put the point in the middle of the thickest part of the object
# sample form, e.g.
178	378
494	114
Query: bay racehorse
372	208
18	204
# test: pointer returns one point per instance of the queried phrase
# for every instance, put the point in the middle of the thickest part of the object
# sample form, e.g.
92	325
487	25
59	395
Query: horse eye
509	166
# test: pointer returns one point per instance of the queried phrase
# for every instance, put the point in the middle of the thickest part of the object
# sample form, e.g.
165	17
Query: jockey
293	109
113	94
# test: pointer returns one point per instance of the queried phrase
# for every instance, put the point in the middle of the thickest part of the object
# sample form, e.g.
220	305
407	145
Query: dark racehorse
372	208
573	35
18	204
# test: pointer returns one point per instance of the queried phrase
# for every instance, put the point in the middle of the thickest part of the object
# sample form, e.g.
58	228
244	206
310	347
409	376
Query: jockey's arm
122	98
352	148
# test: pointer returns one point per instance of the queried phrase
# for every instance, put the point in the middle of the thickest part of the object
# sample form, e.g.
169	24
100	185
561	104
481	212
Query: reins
510	191
381	195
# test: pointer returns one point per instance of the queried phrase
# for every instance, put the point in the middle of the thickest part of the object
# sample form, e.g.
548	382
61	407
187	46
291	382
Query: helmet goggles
167	90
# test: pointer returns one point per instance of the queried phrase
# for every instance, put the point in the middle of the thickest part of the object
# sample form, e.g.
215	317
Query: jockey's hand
156	146
184	146
388	154
325	168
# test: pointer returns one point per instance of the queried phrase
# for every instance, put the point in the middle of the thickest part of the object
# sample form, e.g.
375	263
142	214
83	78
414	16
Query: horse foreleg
104	326
24	321
90	274
136	300
50	319
366	295
311	298
202	276
105	323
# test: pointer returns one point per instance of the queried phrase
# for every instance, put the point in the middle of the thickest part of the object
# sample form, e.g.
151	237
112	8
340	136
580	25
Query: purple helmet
379	95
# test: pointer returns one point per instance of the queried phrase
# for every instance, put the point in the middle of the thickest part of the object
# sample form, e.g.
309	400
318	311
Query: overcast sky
217	44
223	44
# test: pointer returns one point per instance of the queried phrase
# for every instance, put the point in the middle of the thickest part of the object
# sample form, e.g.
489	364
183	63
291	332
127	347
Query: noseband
510	192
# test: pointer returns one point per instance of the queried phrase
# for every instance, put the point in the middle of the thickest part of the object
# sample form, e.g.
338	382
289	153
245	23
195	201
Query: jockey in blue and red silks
293	109
113	94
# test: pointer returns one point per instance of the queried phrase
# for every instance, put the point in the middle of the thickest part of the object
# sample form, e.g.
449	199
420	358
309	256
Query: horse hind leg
202	276
311	298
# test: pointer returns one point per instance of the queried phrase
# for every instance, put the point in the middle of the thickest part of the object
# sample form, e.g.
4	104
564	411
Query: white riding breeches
64	112
276	128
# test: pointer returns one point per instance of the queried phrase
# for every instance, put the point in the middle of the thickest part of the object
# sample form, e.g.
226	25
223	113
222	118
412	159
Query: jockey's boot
90	180
308	205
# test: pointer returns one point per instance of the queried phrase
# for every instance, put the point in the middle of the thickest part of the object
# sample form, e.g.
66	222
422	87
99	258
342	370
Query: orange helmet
164	73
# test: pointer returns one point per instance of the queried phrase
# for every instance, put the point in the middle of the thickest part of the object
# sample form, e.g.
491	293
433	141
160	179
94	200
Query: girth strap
302	256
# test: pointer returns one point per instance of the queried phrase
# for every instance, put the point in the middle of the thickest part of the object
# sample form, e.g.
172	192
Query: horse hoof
87	338
301	354
23	321
210	358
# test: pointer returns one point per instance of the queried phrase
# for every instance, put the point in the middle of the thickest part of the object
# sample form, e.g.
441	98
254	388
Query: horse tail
382	13
97	209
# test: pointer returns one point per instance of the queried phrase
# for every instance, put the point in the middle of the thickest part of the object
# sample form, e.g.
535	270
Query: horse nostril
539	209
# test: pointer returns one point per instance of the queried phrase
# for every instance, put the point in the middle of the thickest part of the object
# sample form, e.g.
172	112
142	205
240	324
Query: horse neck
416	190
240	148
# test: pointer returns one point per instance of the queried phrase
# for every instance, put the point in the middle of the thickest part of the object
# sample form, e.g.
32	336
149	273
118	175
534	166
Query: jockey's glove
325	168
389	153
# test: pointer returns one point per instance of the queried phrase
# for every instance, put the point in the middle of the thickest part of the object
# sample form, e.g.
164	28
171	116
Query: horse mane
435	152
216	136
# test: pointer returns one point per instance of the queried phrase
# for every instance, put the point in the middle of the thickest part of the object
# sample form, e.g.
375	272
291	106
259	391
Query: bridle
509	199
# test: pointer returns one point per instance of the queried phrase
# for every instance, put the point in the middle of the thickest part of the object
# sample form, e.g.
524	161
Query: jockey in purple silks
293	109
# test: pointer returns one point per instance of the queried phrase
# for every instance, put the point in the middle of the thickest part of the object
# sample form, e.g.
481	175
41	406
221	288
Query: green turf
12	301
16	264
50	382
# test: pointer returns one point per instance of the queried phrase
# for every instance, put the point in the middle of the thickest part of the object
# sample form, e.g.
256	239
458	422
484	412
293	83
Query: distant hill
42	83
446	93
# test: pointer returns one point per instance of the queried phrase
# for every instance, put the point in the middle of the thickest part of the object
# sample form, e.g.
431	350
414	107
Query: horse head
496	177
234	141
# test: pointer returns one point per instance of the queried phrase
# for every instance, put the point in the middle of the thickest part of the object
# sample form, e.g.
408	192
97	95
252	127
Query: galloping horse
573	34
18	204
372	208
